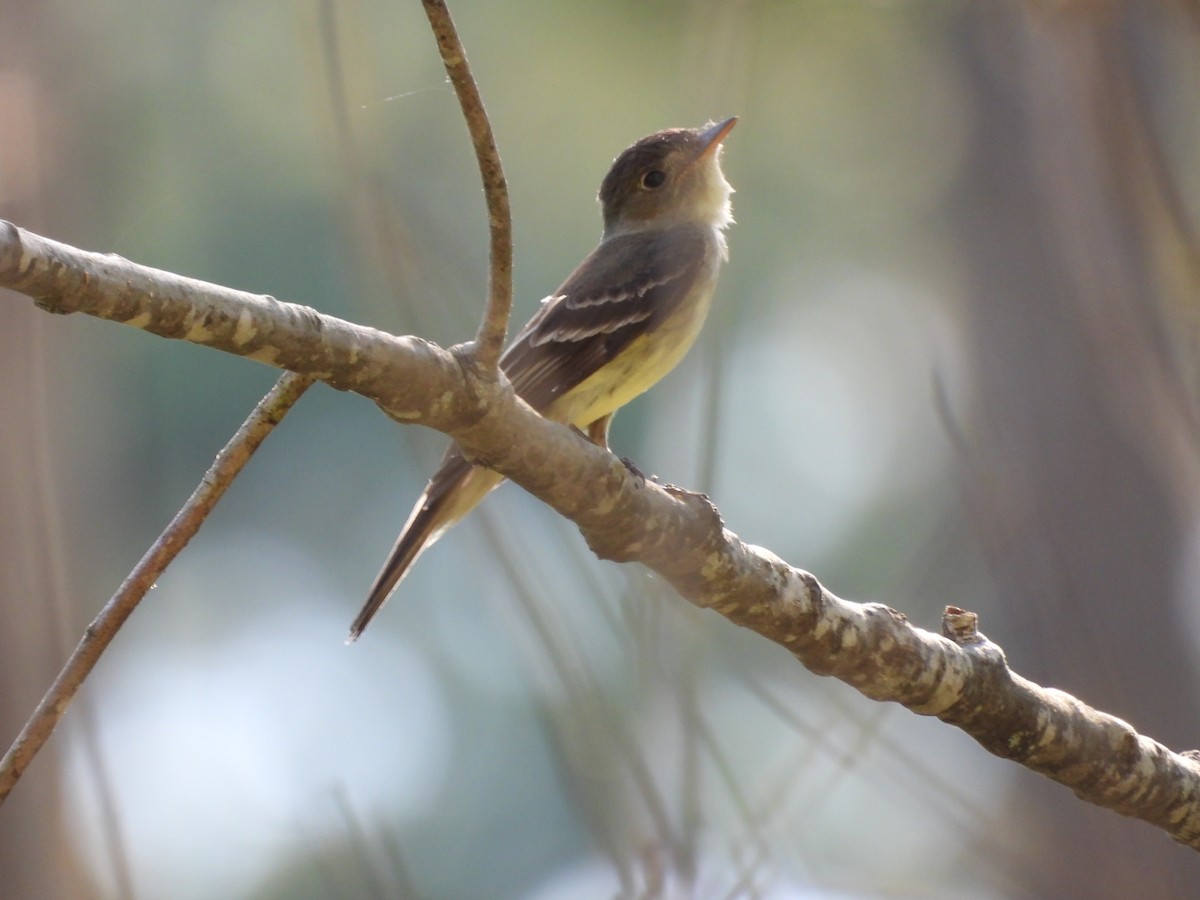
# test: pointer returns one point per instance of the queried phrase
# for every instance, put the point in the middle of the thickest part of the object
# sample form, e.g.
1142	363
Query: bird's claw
633	469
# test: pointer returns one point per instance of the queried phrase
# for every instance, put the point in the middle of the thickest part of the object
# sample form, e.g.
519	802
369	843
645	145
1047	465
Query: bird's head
669	178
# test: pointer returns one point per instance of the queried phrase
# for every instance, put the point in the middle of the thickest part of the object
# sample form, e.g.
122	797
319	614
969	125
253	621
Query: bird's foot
633	469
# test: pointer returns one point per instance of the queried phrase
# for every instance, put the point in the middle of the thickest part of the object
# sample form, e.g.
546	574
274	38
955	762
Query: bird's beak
711	137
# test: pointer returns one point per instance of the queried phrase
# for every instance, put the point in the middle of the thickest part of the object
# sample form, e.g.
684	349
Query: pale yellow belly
637	369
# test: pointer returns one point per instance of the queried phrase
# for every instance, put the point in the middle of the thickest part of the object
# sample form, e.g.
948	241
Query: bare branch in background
100	633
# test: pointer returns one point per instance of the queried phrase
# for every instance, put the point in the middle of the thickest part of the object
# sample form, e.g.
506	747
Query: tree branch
396	372
183	527
489	340
961	678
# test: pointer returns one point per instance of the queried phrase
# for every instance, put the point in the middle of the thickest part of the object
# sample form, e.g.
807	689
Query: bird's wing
627	287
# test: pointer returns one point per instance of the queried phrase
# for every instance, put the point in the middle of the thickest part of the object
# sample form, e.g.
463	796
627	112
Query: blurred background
953	360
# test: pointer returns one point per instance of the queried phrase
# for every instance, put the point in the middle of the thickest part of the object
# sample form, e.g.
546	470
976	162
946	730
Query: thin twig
489	340
100	633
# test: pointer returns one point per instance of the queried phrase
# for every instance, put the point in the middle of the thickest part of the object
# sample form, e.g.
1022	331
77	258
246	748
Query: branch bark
959	677
183	527
489	340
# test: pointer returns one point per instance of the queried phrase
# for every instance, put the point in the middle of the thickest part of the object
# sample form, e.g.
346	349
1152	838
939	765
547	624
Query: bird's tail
454	490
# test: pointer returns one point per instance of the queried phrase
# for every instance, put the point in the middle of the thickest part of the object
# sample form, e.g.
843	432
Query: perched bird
619	323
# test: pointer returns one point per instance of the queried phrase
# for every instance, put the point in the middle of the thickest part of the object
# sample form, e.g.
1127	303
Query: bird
618	323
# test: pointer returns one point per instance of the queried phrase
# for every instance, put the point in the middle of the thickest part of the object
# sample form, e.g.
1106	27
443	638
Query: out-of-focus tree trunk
1081	472
31	824
35	859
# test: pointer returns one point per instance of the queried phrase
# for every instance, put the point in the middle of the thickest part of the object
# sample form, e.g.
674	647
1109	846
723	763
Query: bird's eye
654	179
